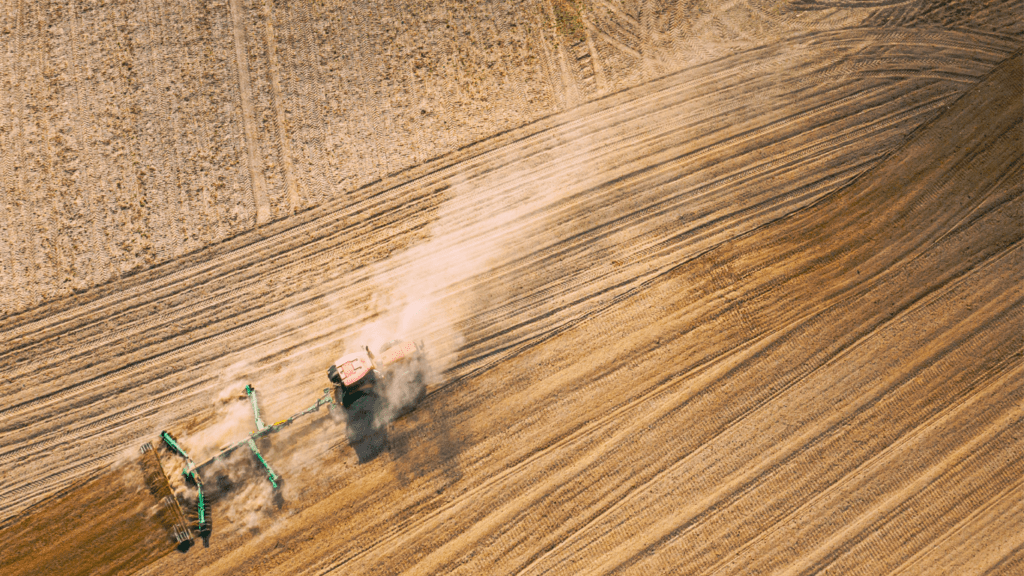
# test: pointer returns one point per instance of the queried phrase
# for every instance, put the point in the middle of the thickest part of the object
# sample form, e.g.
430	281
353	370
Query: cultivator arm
251	393
260	426
204	524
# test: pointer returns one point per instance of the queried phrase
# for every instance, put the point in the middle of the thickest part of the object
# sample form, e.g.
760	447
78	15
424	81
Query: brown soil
706	291
109	524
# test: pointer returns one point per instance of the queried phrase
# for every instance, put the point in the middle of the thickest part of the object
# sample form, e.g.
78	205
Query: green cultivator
191	472
354	376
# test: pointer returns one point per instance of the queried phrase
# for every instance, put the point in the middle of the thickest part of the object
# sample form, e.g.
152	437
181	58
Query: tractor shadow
365	429
369	417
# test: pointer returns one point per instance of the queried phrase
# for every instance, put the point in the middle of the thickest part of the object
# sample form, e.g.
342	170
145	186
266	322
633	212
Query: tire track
954	503
281	121
934	476
818	314
568	81
563	449
938	404
376	126
646	212
8	235
554	78
192	312
313	102
257	183
72	241
687	546
188	311
100	252
136	216
911	247
763	405
203	181
501	35
601	83
182	195
159	175
49	224
105	186
1009	564
357	164
979	531
30	247
298	295
211	218
235	287
600	432
141	258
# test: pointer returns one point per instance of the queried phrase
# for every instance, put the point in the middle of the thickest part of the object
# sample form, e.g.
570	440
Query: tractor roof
352	367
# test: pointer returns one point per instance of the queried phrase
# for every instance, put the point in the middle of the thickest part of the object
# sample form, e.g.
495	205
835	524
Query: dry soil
706	288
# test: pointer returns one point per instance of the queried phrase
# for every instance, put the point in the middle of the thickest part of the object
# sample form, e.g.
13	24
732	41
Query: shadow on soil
366	434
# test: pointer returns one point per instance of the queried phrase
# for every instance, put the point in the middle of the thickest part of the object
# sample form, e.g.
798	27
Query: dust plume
427	294
233	417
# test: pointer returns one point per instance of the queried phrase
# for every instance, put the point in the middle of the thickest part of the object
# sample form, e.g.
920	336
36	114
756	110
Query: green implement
251	393
191	470
160	487
204	525
260	426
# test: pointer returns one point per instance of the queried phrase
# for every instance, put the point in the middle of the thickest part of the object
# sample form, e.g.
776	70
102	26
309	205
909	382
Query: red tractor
402	371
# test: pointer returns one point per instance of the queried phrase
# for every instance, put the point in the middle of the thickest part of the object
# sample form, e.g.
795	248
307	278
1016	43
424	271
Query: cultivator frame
160	486
191	471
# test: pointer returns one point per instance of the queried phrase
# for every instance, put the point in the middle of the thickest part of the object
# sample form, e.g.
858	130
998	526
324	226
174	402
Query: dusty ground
708	288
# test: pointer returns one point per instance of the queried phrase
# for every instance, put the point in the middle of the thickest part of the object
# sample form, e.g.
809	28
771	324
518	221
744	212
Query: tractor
402	370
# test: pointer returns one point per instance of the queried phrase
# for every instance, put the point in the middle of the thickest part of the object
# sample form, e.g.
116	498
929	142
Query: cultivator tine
182	534
160	487
191	473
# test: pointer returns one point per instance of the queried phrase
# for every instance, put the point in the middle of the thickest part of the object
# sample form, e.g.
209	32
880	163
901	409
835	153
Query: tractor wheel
339	394
350	398
333	376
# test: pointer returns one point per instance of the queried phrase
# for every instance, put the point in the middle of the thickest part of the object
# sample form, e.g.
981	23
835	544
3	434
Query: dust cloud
432	289
233	419
426	294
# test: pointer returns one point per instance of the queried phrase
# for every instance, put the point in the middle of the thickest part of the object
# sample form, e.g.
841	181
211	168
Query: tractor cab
353	375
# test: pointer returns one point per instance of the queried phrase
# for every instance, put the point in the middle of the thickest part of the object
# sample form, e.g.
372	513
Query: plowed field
709	290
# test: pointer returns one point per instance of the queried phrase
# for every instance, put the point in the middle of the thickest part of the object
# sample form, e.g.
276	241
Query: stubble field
708	288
